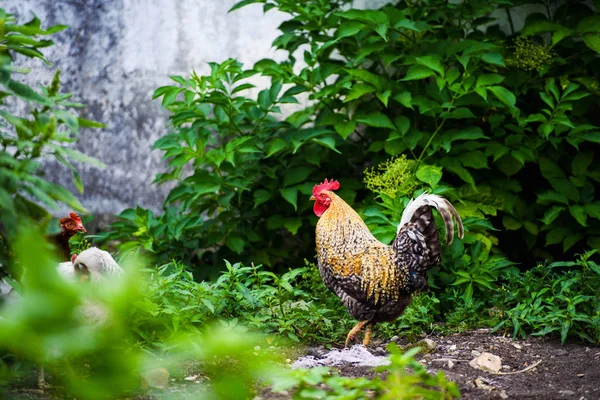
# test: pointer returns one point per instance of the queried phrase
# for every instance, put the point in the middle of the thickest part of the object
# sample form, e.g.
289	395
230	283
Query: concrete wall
113	57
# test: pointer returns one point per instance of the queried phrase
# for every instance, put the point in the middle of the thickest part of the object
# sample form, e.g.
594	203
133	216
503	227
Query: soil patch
570	371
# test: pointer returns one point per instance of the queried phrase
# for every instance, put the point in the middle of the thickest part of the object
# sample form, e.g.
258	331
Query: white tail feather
442	205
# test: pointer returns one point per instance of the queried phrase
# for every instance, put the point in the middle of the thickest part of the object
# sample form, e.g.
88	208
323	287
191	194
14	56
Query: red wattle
319	208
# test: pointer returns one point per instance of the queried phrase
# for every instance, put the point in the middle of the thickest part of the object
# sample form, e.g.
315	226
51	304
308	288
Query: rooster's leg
354	331
368	331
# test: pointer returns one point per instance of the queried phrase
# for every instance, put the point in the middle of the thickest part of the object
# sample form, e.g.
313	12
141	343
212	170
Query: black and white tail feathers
417	243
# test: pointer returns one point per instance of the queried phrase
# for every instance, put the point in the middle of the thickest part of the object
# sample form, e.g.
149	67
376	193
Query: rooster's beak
312	198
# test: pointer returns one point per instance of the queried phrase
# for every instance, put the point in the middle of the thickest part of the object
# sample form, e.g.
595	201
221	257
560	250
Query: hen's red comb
73	257
75	217
331	185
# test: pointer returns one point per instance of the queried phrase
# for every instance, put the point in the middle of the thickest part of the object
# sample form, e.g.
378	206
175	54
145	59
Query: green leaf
264	99
590	24
551	214
550	169
402	123
290	195
404	98
27	93
377	120
345	128
416	72
493	58
366	76
384	97
293	225
571	240
244	3
88	123
579	213
489	79
358	90
296	175
510	223
430	174
552	197
556	235
504	95
432	62
349	28
561	33
260	196
458	113
276	145
592	40
235	243
470	133
581	162
328	142
474	159
593	209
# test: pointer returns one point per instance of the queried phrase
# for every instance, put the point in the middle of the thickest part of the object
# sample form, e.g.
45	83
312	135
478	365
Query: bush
558	298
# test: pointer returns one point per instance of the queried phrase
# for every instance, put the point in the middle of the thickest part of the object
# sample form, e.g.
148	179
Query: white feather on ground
356	355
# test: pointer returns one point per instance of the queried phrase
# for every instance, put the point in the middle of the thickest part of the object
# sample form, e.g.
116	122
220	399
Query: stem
510	21
439	127
547	5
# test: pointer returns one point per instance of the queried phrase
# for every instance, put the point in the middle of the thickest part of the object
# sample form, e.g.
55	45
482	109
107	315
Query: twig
532	366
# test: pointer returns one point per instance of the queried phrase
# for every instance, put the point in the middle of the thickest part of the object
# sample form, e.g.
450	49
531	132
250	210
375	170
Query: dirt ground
570	371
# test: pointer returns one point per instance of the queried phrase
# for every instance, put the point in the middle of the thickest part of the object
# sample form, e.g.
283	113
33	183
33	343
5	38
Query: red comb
73	257
331	185
75	217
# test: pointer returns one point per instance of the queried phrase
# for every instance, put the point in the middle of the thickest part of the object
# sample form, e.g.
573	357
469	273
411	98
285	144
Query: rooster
375	281
69	226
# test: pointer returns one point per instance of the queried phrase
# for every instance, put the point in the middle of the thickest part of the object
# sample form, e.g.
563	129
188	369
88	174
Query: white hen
93	264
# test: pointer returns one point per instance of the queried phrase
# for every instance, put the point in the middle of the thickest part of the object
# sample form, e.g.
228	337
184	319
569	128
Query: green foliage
47	130
407	379
561	297
295	305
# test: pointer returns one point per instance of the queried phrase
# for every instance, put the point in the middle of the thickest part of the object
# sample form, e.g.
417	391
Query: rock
482	383
580	375
452	348
503	394
156	378
487	362
394	339
566	392
560	353
450	364
190	378
430	344
517	346
475	353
